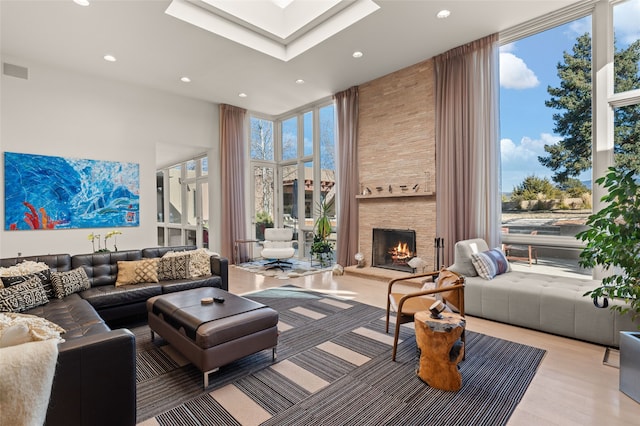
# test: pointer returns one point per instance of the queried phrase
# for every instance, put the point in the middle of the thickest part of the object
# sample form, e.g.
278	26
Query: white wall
56	112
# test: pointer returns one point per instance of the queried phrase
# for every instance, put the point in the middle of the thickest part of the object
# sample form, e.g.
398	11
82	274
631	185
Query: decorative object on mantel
96	237
415	187
360	259
426	180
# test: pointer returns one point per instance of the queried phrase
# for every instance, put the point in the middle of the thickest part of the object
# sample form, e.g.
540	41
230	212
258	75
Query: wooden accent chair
449	285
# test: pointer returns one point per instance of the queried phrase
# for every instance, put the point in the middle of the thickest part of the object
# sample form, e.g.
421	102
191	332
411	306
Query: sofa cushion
174	267
137	271
66	283
107	296
462	252
23	296
171	286
74	314
44	276
490	263
102	268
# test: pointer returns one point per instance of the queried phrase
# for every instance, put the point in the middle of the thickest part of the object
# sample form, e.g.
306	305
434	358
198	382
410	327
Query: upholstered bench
211	335
553	304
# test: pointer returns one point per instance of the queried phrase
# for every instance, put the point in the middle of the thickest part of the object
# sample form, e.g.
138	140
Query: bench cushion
553	304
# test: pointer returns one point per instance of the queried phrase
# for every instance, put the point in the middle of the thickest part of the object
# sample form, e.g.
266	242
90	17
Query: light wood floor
572	386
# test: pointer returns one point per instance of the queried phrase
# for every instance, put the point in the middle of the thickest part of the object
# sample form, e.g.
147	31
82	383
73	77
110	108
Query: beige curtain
347	175
467	144
232	170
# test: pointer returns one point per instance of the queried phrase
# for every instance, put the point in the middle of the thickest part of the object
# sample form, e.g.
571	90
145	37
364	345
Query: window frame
604	100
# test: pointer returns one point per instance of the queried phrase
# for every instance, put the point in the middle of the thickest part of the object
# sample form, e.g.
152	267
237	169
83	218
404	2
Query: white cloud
509	47
525	154
520	160
515	74
579	27
626	19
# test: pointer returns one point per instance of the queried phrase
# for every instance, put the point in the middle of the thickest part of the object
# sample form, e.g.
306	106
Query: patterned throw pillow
137	271
44	276
199	264
490	263
23	296
65	283
174	267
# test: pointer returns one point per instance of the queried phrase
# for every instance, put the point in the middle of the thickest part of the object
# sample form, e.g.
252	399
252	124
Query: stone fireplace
393	248
396	163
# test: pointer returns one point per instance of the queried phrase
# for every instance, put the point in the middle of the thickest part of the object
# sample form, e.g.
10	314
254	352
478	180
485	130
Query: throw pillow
66	283
25	267
23	296
199	264
21	328
490	263
137	271
44	276
174	267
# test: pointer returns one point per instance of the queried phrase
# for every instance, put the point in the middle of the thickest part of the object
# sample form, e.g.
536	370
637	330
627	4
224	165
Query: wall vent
15	71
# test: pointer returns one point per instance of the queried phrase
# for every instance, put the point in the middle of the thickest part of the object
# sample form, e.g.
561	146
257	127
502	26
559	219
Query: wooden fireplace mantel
395	195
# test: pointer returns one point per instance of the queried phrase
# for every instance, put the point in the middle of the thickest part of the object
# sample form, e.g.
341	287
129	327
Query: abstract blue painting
46	192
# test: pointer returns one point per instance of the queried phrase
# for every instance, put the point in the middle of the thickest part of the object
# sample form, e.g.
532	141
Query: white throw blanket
26	376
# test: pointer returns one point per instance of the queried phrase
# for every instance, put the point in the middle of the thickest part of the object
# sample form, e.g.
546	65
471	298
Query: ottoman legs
206	376
206	373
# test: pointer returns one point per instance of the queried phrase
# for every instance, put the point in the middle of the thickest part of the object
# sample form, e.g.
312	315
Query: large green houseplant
321	247
613	240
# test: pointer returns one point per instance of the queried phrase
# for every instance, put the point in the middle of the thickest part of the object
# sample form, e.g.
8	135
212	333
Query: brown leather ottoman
213	335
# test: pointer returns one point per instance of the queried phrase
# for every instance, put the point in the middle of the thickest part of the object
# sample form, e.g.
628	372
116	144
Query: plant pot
630	364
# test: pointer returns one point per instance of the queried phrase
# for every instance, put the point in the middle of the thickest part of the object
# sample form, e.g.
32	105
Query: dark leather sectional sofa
95	378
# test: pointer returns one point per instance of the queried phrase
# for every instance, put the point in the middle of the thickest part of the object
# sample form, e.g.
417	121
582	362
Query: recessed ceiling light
299	81
357	54
109	58
242	95
444	13
81	2
185	79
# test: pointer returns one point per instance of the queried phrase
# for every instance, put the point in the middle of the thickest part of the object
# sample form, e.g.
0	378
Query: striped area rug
333	368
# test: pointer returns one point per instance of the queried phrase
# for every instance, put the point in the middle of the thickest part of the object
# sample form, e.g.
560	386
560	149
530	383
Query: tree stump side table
441	349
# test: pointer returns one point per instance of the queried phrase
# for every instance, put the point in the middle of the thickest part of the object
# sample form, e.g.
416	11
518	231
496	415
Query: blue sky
527	68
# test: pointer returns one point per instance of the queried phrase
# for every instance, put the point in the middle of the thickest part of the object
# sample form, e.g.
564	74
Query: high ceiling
155	50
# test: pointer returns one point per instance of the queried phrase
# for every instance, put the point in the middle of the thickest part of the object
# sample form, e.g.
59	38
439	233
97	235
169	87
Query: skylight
280	28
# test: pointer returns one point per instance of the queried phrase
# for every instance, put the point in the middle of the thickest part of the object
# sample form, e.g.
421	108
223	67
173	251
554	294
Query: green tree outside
572	155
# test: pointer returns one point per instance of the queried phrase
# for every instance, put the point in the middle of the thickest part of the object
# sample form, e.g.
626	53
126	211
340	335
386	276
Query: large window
548	148
183	204
293	159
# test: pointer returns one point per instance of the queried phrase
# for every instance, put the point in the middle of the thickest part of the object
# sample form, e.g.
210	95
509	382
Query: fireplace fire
394	248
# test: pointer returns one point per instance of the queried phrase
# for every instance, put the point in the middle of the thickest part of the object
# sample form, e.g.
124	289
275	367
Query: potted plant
322	247
613	243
